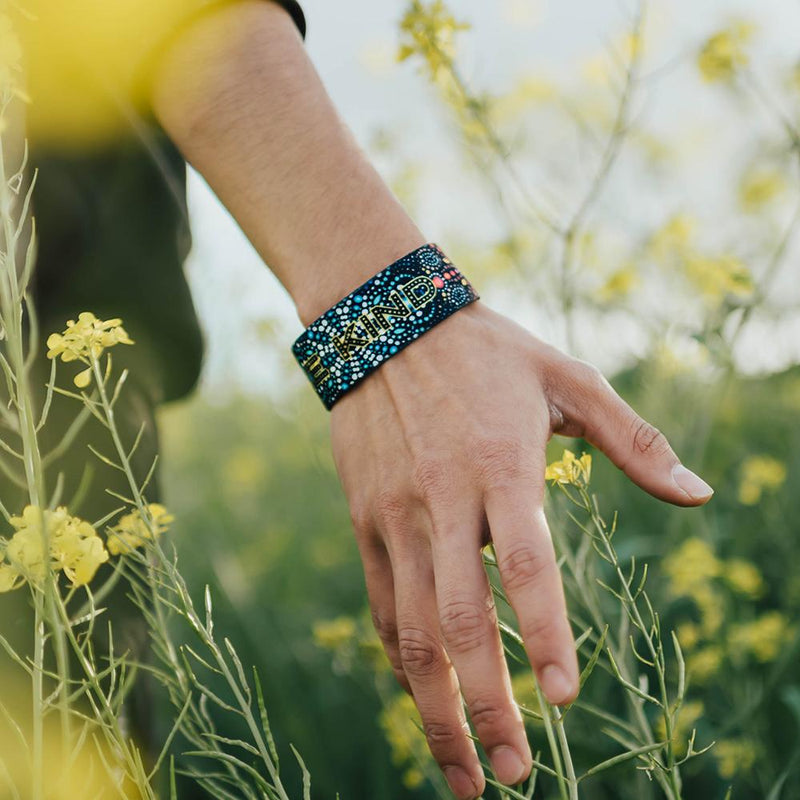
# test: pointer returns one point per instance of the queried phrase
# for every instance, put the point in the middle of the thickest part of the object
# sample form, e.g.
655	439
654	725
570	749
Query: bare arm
442	448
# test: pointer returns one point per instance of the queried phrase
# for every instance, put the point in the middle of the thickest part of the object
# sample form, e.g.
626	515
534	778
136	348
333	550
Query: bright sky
352	43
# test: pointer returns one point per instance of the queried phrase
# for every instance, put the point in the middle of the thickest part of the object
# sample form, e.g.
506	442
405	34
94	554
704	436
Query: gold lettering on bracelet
417	293
318	372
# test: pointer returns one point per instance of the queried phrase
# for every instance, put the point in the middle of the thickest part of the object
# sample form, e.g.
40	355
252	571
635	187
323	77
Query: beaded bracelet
378	319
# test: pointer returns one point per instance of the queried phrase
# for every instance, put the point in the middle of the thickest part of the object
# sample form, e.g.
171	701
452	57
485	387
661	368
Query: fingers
430	673
529	572
593	410
469	628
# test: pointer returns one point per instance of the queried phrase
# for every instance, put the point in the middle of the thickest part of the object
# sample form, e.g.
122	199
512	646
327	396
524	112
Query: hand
441	450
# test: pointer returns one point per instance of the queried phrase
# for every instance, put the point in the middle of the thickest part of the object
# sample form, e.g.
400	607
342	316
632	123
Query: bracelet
378	319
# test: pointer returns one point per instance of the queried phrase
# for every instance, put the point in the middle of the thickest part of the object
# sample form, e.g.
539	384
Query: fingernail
460	783
507	765
557	687
690	483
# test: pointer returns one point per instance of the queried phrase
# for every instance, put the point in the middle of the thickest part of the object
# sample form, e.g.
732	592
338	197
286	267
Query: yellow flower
743	577
619	284
718	276
760	473
85	340
704	663
690	567
734	755
673	238
429	29
711	606
570	469
132	531
10	578
688	635
73	544
334	633
763	637
399	720
758	187
723	53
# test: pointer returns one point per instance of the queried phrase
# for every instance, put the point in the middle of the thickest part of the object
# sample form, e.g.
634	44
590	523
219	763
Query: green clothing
113	234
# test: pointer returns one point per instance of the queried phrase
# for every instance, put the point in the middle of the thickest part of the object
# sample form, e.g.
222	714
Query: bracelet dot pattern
378	319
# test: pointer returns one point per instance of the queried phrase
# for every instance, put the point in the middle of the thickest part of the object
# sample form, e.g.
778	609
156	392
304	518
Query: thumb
638	448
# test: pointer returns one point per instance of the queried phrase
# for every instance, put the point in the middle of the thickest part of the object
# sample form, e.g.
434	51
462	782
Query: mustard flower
690	567
429	29
760	473
704	663
84	340
758	187
763	638
723	53
333	634
743	577
73	544
570	469
734	755
132	531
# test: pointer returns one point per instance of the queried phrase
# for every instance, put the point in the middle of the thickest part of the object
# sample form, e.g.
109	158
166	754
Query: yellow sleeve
86	62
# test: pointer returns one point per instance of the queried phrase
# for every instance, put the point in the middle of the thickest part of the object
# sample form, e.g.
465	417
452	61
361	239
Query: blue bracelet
384	315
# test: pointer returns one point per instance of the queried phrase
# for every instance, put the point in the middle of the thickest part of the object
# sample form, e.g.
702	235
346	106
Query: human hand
441	450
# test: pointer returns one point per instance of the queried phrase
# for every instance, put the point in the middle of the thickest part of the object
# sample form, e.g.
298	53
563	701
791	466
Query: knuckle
361	518
588	374
540	630
430	478
420	652
464	626
522	566
648	440
500	461
391	508
385	627
440	734
486	714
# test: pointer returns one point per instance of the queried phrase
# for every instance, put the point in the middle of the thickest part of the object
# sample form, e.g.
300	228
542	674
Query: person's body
237	95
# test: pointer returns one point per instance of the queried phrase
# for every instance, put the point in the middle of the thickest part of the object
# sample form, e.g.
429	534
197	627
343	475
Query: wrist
348	268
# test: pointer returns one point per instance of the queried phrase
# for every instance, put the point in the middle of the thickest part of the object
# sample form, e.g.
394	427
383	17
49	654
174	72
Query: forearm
239	96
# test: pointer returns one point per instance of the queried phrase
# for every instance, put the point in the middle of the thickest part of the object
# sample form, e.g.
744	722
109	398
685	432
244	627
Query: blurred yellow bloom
743	577
734	755
529	91
690	567
718	276
724	53
758	187
570	469
704	663
763	638
73	544
688	635
760	473
408	745
619	284
132	531
711	606
428	30
84	340
332	634
673	238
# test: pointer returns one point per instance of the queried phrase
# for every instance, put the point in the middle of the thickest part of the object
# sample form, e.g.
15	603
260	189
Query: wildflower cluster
760	474
134	531
570	469
429	31
724	52
84	341
73	547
